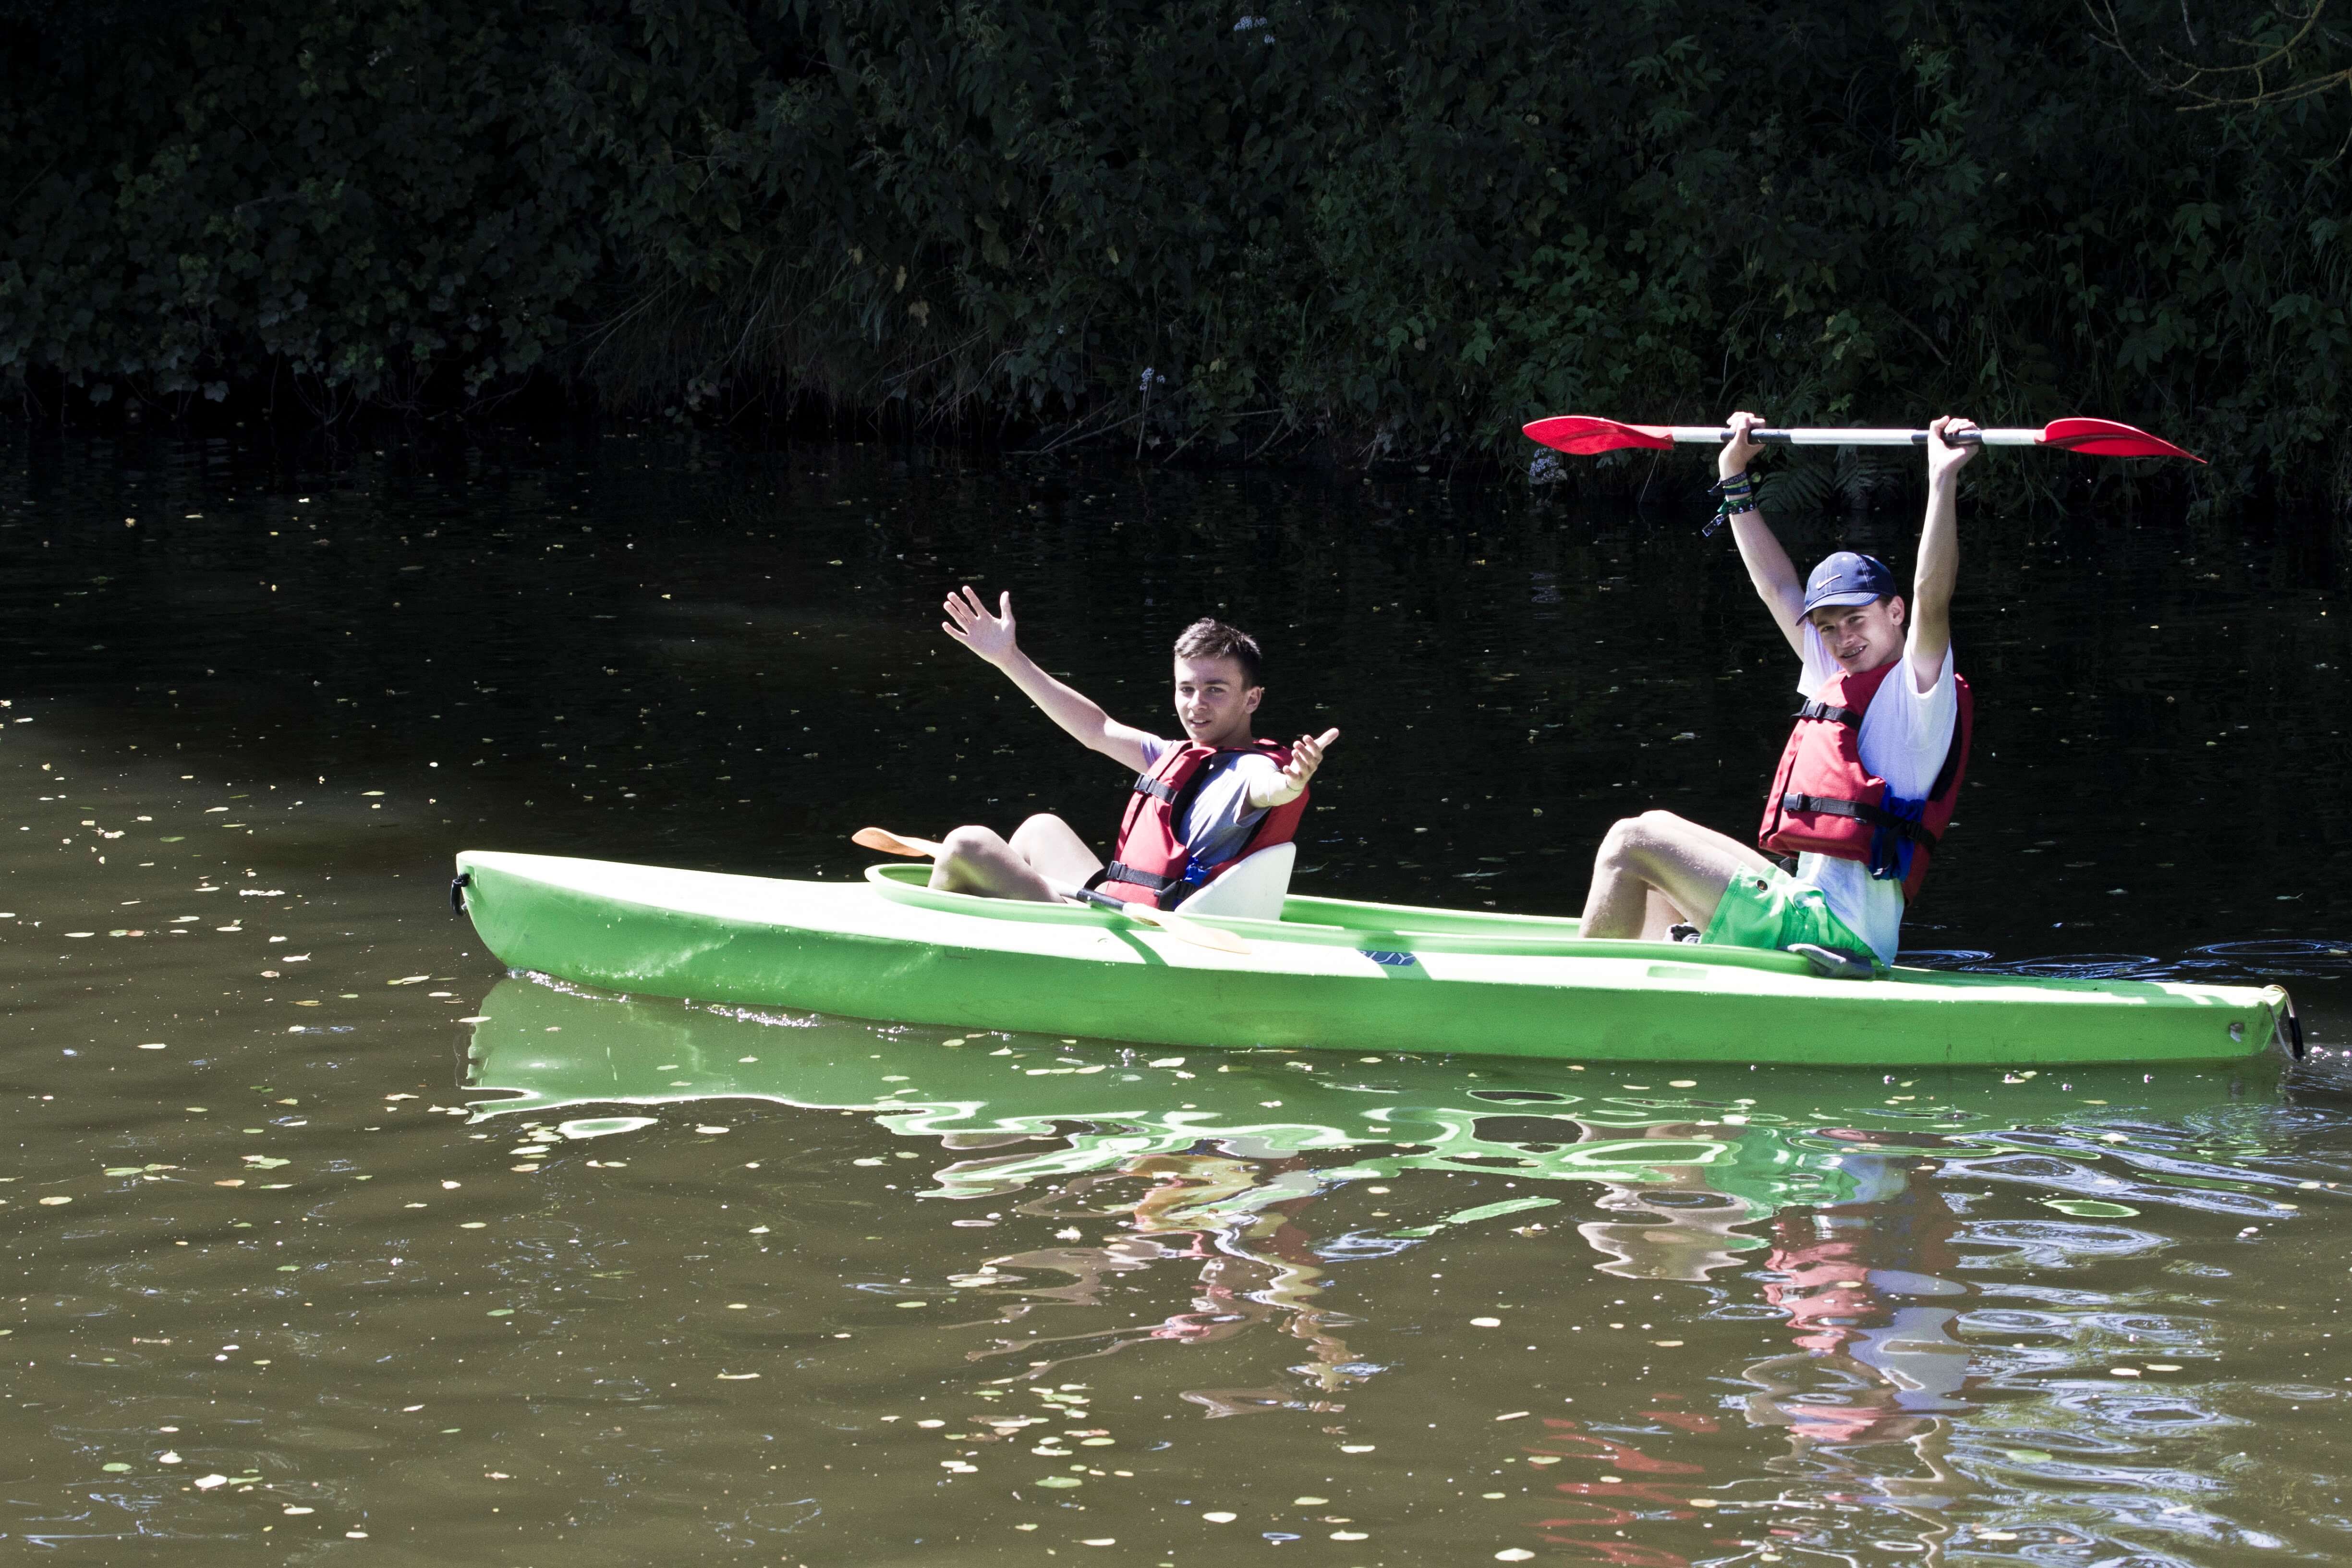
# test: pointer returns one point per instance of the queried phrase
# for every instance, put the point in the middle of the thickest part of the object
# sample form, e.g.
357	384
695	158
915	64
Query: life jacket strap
1830	711
1118	873
1885	821
1145	784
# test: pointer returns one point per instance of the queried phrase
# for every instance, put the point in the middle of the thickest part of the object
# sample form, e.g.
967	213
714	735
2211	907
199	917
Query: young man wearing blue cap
1869	776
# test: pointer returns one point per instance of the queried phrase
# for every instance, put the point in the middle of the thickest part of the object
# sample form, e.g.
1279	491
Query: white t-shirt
1220	818
1905	734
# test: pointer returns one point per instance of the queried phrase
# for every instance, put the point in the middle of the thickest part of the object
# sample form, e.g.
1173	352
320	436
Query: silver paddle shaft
1715	436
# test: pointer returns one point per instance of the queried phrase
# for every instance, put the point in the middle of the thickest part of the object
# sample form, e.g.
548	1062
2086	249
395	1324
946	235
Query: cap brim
1864	598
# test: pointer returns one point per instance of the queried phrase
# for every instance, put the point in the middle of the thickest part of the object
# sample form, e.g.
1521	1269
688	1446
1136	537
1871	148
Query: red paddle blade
1583	435
2105	439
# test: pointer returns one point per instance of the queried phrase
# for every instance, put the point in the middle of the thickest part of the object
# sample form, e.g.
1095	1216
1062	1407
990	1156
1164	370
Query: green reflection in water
1681	1163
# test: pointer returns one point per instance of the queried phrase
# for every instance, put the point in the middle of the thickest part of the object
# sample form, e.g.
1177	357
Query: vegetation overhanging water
1383	230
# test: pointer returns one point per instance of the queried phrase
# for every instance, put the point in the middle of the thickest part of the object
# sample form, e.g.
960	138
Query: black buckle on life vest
1885	821
1145	784
1118	872
1836	715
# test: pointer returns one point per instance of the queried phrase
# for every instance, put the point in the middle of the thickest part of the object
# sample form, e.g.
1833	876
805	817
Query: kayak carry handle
457	885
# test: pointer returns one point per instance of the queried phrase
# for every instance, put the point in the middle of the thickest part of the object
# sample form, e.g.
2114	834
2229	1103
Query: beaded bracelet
1739	493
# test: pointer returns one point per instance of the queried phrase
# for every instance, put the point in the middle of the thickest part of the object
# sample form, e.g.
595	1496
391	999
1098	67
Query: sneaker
1682	933
1835	962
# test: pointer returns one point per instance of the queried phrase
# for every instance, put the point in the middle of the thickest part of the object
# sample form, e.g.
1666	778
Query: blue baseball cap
1847	578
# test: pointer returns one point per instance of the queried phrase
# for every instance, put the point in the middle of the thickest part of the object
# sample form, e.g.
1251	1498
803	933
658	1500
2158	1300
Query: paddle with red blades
1583	435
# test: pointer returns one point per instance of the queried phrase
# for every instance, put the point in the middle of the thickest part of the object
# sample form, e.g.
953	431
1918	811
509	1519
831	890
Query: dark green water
367	1249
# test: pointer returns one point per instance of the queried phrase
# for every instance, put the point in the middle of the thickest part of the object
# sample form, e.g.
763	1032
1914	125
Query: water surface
365	1246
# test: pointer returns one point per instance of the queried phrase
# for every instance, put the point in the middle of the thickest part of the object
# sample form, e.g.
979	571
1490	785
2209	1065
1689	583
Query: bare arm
1306	756
991	637
1939	554
1770	570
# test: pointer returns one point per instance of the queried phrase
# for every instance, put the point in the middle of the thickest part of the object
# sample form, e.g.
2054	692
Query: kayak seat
1253	890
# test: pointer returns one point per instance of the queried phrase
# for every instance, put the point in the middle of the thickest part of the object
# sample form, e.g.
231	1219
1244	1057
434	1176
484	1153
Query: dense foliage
1401	228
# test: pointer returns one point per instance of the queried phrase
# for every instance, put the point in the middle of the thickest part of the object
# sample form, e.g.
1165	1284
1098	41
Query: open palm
968	622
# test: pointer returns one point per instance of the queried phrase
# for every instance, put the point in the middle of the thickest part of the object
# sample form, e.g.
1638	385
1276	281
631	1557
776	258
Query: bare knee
1627	834
1650	828
1631	842
1042	834
968	860
965	843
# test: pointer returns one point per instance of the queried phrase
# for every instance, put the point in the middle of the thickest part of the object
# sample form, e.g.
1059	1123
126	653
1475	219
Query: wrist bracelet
1739	493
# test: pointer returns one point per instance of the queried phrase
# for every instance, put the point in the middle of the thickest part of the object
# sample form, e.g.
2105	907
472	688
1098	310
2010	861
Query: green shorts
1772	910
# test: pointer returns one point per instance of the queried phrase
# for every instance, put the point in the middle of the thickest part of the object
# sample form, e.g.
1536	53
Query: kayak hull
1330	975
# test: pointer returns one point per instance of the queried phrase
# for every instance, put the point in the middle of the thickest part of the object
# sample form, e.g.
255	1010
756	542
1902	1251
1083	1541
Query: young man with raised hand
1199	805
1867	782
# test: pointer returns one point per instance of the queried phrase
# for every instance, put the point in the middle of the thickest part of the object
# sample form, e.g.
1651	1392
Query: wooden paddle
1583	435
1175	925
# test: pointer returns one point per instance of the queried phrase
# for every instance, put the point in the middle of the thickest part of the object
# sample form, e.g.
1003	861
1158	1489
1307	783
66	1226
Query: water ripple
2075	966
2056	1244
2083	1181
2275	959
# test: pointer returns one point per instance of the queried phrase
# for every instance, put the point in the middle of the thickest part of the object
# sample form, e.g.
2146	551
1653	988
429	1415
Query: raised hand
1740	451
968	622
1944	457
1306	756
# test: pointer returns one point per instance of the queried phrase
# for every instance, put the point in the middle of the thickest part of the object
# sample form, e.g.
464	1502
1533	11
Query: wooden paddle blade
1583	435
2105	439
890	843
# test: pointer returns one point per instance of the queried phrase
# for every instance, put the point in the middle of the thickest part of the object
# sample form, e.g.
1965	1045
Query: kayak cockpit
1344	922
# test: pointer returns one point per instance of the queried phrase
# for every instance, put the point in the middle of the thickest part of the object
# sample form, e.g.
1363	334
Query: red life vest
1824	802
1151	864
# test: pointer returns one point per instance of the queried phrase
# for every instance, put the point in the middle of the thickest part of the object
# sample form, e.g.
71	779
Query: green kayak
1329	972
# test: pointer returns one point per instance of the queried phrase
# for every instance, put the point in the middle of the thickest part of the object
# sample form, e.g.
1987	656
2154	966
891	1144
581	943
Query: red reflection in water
1615	1505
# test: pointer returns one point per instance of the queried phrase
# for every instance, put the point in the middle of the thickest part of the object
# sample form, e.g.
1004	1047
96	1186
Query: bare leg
1660	856
1659	916
1054	849
1044	849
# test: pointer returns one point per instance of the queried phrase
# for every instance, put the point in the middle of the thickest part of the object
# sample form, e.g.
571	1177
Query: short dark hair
1208	638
